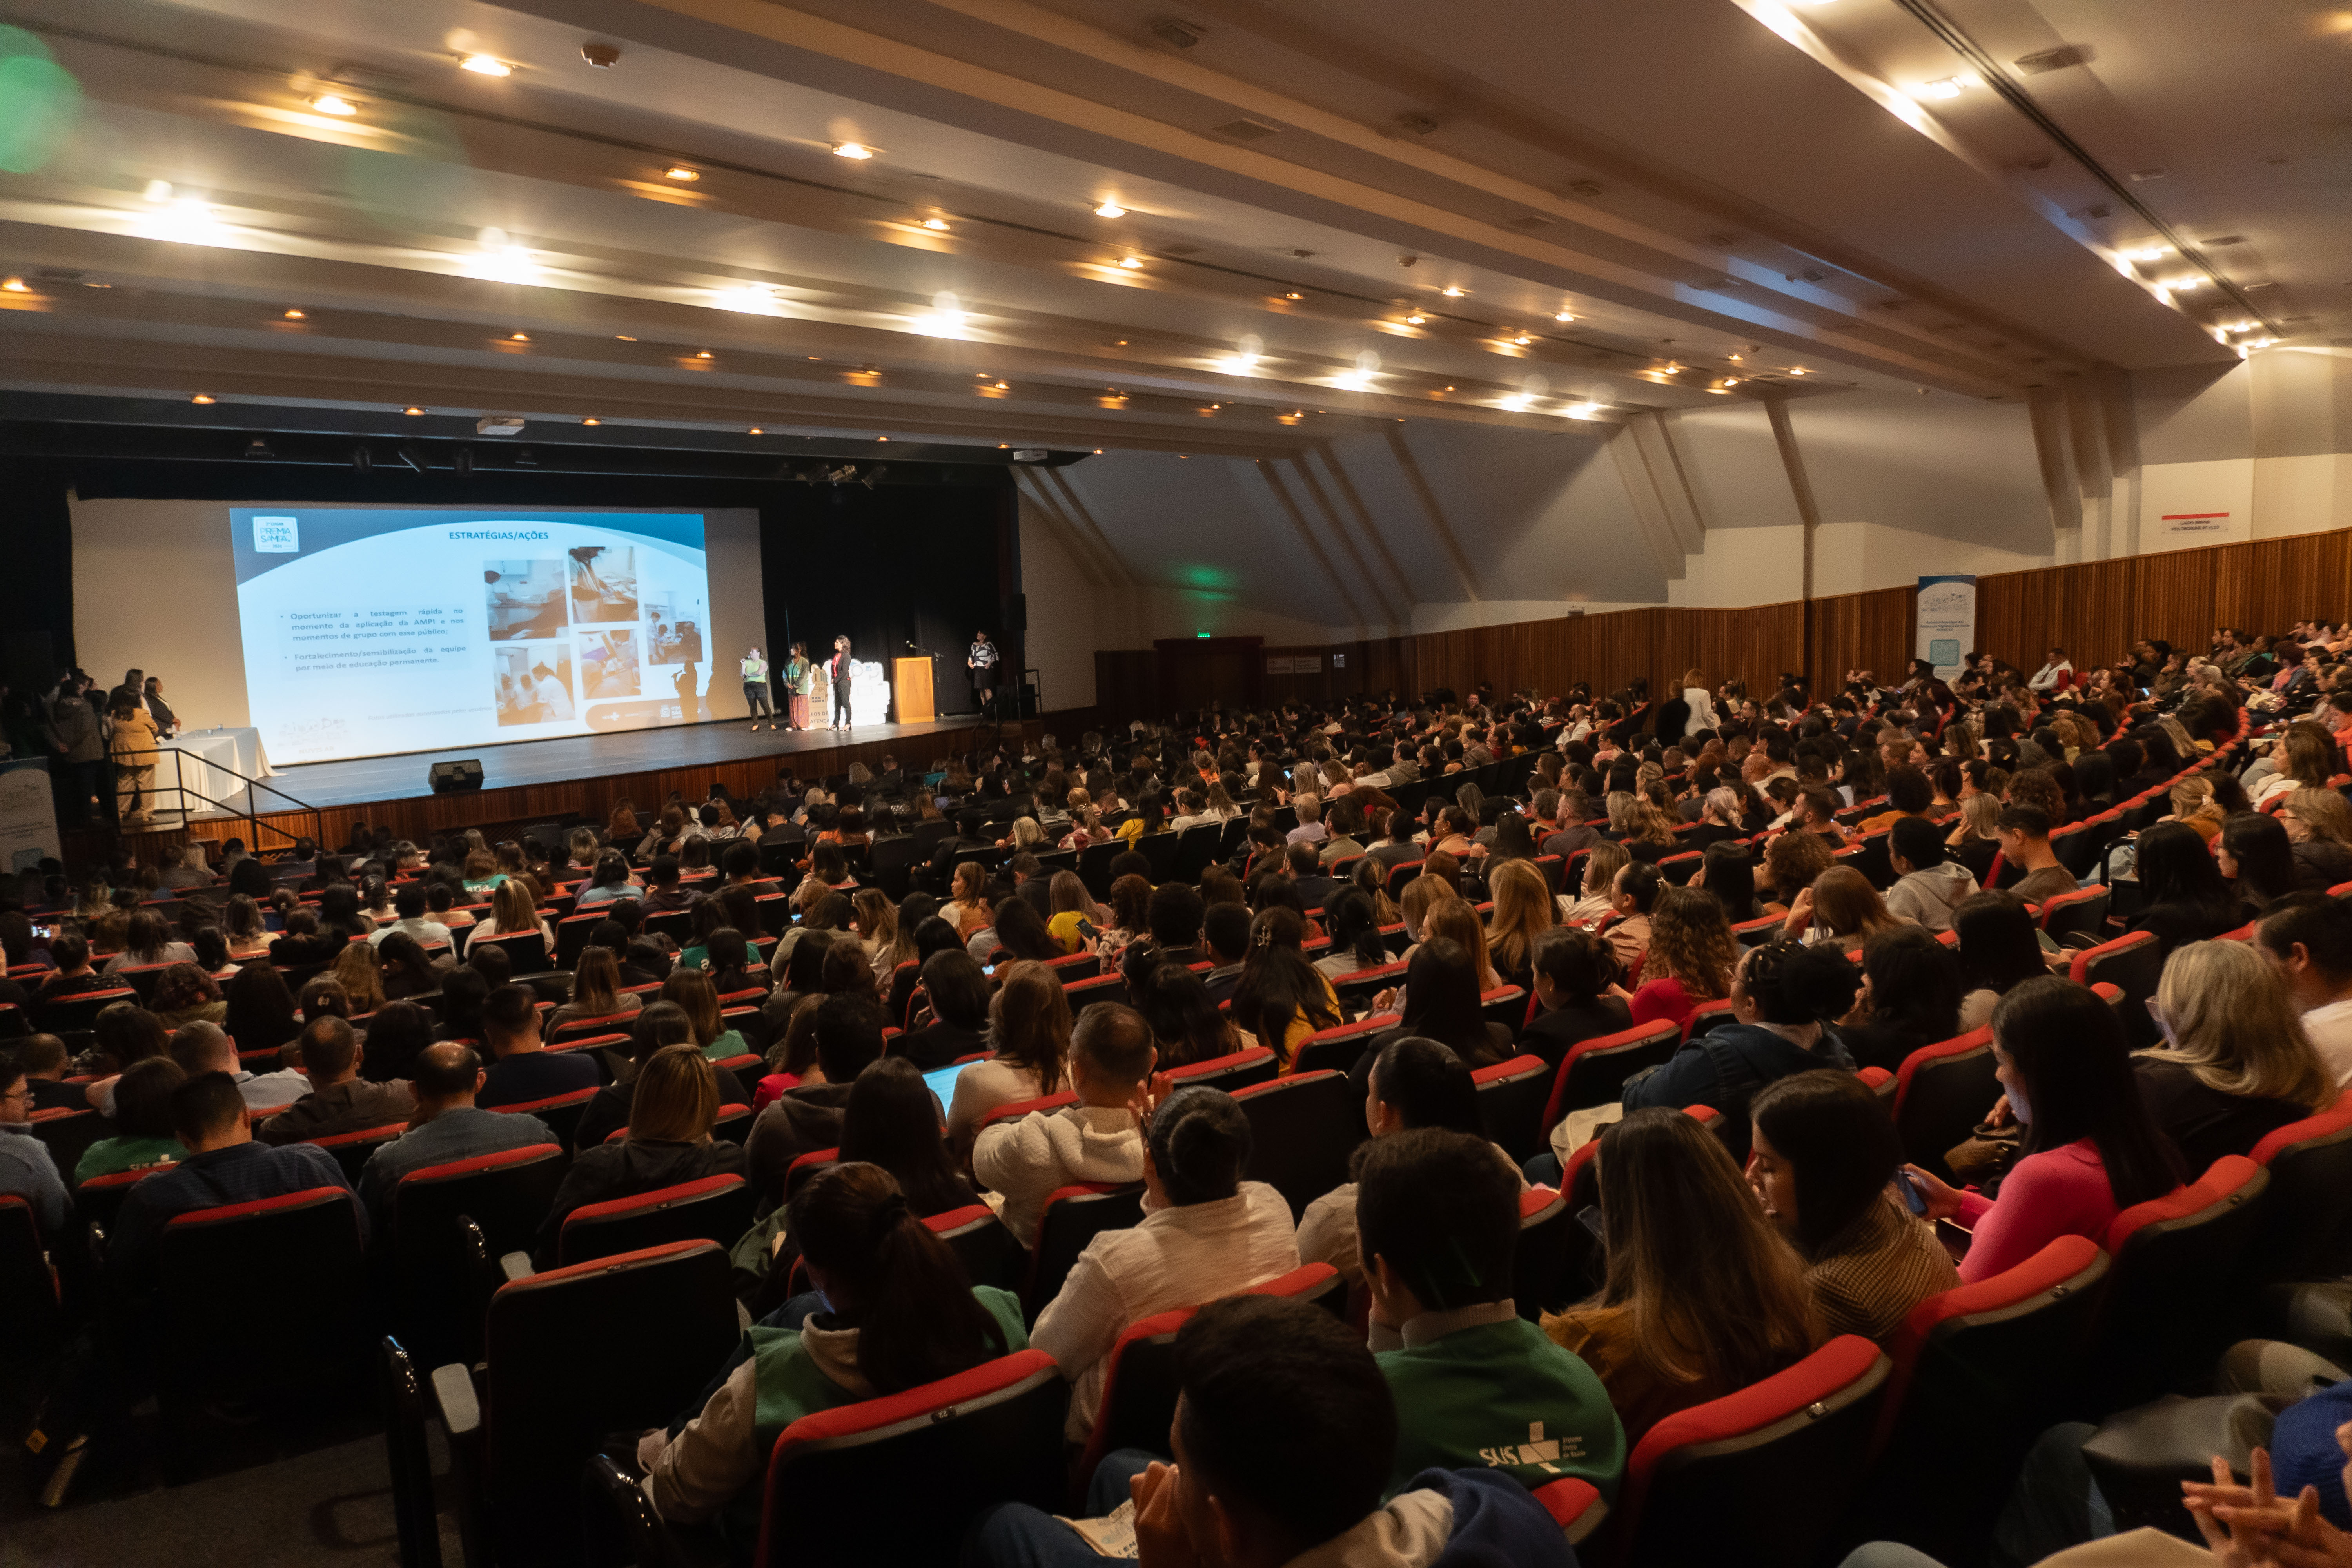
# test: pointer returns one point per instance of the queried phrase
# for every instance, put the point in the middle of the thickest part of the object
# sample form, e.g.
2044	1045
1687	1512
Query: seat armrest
742	1316
453	1392
516	1265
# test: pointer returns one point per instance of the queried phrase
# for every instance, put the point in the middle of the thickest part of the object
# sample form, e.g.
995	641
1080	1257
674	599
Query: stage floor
572	758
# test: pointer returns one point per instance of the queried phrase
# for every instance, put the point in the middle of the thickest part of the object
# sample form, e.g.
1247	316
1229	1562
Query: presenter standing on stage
837	670
755	690
981	661
799	679
166	721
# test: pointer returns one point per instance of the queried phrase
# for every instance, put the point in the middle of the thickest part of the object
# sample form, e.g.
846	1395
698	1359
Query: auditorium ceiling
1245	229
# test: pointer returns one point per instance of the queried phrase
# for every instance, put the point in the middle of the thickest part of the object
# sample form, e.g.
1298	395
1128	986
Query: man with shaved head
447	1125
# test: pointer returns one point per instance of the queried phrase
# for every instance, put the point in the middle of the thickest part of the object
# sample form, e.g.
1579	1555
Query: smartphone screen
1913	1198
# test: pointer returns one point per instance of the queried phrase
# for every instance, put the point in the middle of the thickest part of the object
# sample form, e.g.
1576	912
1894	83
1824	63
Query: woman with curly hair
1690	959
185	993
1791	862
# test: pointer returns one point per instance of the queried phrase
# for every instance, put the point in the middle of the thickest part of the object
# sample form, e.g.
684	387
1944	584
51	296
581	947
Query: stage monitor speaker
1016	613
464	773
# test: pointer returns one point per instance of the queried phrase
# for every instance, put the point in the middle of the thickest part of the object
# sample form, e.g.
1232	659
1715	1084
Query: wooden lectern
911	682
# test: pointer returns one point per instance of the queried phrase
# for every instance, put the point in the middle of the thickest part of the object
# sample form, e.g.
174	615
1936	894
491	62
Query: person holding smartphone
1828	1168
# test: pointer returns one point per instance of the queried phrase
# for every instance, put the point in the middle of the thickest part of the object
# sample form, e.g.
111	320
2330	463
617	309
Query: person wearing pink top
2092	1150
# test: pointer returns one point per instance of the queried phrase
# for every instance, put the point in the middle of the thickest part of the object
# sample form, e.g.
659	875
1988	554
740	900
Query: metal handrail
252	817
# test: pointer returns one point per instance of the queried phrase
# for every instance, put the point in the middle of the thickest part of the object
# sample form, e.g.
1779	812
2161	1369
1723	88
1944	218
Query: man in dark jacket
1782	996
78	745
340	1099
803	1120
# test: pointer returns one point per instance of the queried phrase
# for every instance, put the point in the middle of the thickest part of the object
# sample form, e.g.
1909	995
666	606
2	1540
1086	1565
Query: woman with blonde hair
1702	1298
671	1112
875	921
1691	955
2192	803
356	969
1842	909
1455	921
2304	757
2236	1064
1029	1031
1522	913
513	912
1595	897
1972	838
2318	823
1024	837
967	907
1372	877
1423	894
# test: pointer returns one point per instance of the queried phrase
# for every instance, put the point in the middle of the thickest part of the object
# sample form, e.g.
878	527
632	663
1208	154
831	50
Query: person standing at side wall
755	690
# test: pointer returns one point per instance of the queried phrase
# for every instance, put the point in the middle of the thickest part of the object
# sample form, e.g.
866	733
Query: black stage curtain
922	562
889	567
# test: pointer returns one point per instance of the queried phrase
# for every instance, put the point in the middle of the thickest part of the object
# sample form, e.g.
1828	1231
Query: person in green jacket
143	1122
894	1311
799	679
1438	1220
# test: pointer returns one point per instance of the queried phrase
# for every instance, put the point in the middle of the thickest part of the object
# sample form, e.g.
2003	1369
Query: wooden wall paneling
2175	597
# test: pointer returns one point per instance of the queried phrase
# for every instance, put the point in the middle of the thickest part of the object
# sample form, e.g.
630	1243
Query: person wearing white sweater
1701	705
1100	1138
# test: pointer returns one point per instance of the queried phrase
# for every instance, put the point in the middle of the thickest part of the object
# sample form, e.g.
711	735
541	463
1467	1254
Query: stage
539	781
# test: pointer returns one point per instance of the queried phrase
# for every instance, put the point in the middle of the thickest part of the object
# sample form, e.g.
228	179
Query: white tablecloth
203	765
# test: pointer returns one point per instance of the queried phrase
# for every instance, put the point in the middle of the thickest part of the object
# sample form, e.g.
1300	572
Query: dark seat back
987	1250
1941	1092
30	1301
2307	1231
433	1215
1074	1217
293	1262
1594	1071
1540	1281
1239	1070
837	1492
2178	1265
1303	1129
1511	1097
714	1208
2134	962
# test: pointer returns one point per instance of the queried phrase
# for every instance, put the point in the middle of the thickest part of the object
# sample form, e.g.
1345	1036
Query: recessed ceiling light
1563	316
519	338
1293	296
755	430
2149	253
592	421
1002	387
334	103
702	353
623	338
1453	292
881	437
1731	381
936	223
1130	262
1796	370
17	286
1523	340
1110	209
1942	87
1416	319
200	397
851	150
1734	358
681	173
296	316
814	360
412	409
486	65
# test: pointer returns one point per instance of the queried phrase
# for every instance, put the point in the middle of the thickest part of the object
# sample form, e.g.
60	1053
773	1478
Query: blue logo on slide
275	536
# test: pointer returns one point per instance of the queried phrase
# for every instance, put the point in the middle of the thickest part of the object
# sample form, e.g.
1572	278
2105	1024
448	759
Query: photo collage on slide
572	637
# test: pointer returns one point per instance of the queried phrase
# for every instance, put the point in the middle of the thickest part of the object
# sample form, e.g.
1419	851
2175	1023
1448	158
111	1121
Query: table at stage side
196	776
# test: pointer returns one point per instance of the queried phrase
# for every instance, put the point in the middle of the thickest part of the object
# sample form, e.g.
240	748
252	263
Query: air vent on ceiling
1586	188
1415	124
2158	172
2035	164
2098	209
1723	241
1810	274
1244	130
2055	60
1175	34
1180	250
1533	220
2222	239
1297	254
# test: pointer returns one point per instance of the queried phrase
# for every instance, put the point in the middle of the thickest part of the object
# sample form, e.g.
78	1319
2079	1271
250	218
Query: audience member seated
2235	1064
1824	1160
523	1068
1100	1138
807	1117
1225	931
595	992
1205	1233
1702	1298
339	1100
1928	887
143	1135
147	941
2023	835
44	1059
223	1166
1576	984
2091	1148
1408	1083
1998	951
1437	1221
73	976
1284	1445
892	1312
1632	898
1440	1003
1186	1026
1783	996
410	918
670	1141
1281	998
2309	937
1910	997
2183	896
1690	957
1029	1022
958	993
206	1047
27	1170
446	1126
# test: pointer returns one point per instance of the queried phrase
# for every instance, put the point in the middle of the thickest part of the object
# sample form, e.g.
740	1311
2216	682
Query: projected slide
370	631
